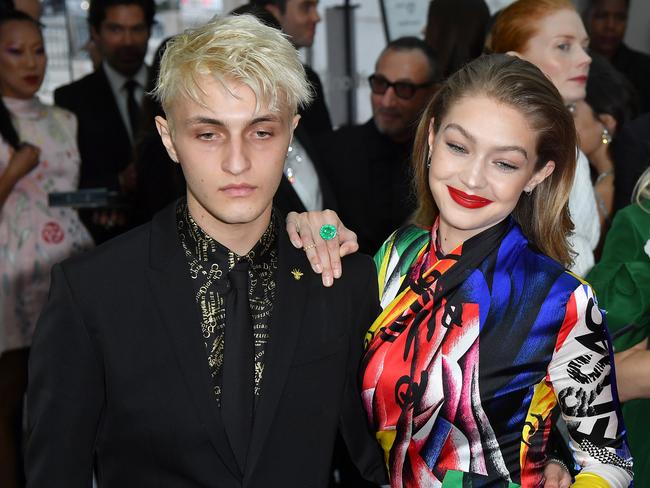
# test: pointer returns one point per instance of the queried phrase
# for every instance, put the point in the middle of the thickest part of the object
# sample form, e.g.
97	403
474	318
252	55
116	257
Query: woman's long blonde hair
544	215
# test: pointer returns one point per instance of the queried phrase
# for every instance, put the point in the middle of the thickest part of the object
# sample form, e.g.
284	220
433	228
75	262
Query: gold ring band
310	246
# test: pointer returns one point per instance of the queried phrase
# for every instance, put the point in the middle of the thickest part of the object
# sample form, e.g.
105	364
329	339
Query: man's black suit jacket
119	379
371	178
103	139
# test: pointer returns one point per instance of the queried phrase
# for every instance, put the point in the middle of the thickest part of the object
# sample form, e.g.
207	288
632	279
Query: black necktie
237	397
132	106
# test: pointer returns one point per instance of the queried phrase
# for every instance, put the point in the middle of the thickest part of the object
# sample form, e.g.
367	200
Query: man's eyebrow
265	118
203	120
469	136
200	119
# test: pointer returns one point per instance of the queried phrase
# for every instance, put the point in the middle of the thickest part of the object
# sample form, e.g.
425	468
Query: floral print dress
34	236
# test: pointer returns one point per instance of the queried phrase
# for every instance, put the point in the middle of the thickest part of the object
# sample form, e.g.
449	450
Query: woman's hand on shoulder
324	256
22	161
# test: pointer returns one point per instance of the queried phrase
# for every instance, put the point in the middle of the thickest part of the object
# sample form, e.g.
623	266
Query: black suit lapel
170	284
286	322
286	199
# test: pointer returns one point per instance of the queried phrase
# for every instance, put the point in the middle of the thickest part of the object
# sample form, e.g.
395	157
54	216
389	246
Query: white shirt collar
117	79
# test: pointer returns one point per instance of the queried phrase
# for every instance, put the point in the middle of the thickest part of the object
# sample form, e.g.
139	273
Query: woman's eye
565	46
505	166
456	148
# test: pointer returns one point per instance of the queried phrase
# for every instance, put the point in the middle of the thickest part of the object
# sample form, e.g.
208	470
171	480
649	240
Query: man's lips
32	79
241	190
388	114
468	201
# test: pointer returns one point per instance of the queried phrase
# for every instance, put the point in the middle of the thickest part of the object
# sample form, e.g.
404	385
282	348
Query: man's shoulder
75	90
119	256
312	76
356	135
628	59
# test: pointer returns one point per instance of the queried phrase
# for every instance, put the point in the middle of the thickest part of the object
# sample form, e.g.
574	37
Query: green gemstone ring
328	232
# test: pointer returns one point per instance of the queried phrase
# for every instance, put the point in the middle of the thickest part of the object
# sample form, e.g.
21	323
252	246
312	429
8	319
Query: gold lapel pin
297	274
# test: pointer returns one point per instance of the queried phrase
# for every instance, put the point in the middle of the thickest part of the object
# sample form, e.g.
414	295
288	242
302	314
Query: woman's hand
23	160
324	256
632	372
556	476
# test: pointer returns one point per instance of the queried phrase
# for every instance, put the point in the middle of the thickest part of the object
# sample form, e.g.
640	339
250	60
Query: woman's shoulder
543	268
403	242
61	113
408	234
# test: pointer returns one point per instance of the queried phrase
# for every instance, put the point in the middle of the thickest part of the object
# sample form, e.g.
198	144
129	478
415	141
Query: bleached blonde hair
236	48
641	193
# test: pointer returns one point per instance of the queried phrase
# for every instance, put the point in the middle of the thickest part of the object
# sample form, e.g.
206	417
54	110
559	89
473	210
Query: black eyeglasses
403	89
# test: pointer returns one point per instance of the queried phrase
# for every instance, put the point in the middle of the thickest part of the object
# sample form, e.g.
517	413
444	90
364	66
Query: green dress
622	282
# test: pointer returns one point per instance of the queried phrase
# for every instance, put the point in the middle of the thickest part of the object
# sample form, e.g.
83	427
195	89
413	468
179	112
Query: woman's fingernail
328	280
337	272
317	268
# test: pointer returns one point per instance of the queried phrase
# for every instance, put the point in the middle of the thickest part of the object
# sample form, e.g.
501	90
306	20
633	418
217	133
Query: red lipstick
579	79
468	201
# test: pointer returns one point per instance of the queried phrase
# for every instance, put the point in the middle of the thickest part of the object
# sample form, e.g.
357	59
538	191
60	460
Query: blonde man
199	350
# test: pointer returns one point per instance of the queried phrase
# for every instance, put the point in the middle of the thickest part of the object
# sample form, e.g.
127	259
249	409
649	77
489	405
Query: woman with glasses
484	335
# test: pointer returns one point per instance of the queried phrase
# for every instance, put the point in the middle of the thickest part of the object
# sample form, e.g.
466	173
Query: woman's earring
428	159
528	191
605	136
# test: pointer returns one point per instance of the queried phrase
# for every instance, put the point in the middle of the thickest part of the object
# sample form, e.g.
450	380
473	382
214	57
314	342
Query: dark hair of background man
97	10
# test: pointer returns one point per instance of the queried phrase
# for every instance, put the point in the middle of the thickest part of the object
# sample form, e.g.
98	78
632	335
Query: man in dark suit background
304	186
199	349
606	21
298	19
369	164
107	103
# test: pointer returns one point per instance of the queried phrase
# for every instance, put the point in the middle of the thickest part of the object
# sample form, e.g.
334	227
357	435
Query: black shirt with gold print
209	263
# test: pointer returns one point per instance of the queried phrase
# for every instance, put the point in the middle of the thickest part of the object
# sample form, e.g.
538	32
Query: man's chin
127	68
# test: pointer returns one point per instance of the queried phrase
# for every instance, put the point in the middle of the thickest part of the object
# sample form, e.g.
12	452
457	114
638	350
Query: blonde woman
483	332
622	281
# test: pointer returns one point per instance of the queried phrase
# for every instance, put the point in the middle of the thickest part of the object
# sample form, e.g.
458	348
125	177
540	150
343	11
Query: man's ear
275	10
294	122
166	136
94	35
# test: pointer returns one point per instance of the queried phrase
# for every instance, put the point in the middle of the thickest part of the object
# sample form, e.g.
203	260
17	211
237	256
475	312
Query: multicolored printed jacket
462	388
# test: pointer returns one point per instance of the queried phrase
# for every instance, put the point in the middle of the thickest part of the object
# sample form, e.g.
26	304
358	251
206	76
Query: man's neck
239	238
